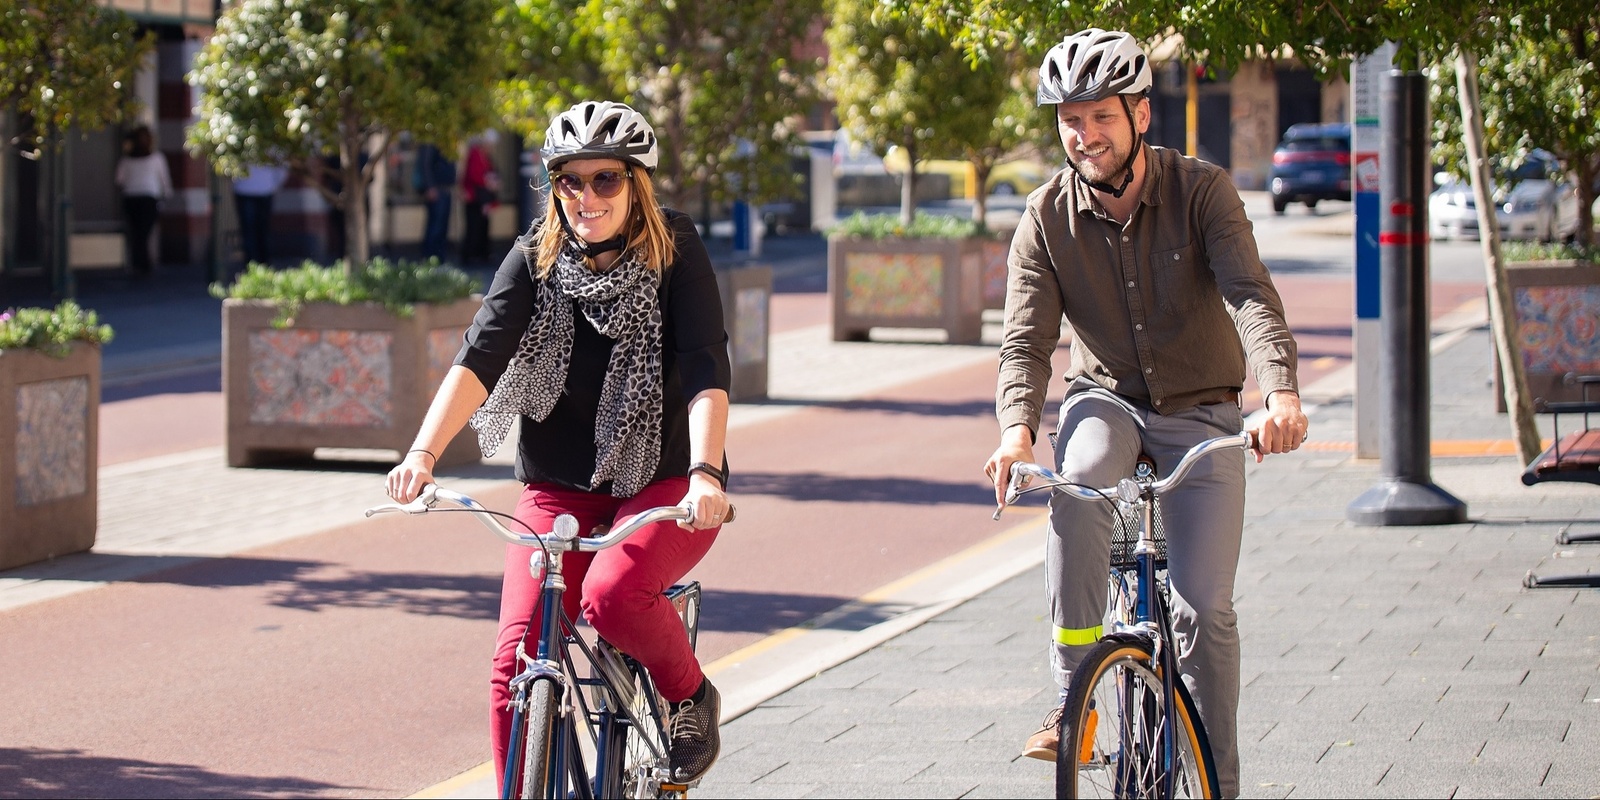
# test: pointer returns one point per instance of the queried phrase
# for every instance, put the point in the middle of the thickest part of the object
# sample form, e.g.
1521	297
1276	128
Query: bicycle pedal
675	787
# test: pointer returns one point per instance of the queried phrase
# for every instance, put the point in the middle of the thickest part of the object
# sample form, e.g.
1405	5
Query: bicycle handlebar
1023	472
565	536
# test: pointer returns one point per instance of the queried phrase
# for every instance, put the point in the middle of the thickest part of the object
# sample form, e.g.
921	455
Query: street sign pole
1406	495
1365	139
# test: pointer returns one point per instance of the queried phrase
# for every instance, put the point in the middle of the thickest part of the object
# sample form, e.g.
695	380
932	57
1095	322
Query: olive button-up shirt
1164	310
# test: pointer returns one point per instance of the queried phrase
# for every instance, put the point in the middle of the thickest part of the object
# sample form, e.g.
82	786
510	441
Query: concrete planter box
1558	316
342	376
746	310
49	453
906	283
996	255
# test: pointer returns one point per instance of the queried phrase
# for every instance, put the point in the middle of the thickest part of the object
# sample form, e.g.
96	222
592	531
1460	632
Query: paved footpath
1392	662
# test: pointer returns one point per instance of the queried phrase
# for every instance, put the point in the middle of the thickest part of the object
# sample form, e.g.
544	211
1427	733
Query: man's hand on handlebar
1016	444
1283	428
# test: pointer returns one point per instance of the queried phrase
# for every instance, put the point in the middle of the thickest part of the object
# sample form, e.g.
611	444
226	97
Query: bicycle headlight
566	528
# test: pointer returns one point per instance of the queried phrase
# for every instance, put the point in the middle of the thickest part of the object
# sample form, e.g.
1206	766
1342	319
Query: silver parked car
1536	201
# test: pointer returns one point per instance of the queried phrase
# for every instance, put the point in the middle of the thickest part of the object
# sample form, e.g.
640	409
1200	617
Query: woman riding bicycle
602	334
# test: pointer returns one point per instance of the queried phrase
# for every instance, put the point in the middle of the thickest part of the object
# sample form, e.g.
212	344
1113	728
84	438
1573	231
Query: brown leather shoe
1045	741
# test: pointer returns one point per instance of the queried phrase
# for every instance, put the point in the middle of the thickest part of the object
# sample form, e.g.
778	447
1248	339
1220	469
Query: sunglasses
606	183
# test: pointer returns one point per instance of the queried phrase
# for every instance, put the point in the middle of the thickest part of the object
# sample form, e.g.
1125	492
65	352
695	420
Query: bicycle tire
643	742
540	741
1110	723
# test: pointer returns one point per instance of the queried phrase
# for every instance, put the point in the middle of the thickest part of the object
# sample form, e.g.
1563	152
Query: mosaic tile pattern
894	284
326	377
52	440
1560	328
995	255
750	340
443	344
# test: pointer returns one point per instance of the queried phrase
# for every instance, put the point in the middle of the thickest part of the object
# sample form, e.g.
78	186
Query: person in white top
252	199
144	180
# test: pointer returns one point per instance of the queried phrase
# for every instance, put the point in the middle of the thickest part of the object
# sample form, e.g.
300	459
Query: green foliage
718	79
897	81
1325	35
1539	88
862	225
397	286
1554	251
51	330
298	80
66	63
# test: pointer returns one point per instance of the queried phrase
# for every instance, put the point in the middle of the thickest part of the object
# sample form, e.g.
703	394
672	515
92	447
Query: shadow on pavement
805	486
921	408
41	772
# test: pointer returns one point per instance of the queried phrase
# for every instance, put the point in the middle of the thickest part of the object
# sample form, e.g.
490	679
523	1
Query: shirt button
1158	402
1176	257
1124	238
1138	327
1148	370
1130	284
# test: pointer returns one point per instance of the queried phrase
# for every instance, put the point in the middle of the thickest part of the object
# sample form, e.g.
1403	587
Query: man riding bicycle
1150	258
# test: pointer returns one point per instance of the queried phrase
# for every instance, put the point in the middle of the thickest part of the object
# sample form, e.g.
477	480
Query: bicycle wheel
542	723
645	748
1111	743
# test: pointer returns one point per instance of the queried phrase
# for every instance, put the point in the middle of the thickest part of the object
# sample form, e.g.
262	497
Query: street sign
1366	138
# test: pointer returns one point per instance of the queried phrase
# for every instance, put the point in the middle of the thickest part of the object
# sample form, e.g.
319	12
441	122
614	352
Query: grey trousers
1099	441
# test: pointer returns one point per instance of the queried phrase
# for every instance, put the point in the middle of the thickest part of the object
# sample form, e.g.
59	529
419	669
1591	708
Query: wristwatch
716	474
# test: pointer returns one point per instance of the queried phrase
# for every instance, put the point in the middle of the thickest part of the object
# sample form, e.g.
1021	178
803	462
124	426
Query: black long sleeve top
560	449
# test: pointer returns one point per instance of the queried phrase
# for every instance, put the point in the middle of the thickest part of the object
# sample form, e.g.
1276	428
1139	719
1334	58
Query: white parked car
1539	201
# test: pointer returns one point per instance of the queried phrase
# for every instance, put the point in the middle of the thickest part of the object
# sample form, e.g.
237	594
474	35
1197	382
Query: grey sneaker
696	741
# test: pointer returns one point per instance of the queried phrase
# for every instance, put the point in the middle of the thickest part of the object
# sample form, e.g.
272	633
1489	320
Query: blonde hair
647	233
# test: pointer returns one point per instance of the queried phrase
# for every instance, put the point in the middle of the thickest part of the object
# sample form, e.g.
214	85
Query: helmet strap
588	250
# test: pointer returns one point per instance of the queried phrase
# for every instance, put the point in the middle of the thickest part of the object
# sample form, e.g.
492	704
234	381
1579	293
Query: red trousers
618	591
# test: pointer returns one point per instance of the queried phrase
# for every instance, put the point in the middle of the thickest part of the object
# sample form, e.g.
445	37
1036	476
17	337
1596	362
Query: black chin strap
588	250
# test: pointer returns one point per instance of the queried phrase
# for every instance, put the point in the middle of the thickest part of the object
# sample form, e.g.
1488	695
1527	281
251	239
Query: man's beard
1096	173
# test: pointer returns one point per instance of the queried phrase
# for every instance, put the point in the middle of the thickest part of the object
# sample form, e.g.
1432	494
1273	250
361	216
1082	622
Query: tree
719	80
65	64
899	82
1014	123
294	81
1539	88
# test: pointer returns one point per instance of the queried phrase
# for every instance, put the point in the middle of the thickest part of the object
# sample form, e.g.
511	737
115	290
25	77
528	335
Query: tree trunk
1502	310
908	186
353	195
980	197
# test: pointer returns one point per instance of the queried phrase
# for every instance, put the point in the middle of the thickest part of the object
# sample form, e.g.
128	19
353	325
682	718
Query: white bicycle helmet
601	130
1092	65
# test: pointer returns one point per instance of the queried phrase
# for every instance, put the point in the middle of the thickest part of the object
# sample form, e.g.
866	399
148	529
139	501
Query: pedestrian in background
252	201
143	177
480	191
434	178
602	336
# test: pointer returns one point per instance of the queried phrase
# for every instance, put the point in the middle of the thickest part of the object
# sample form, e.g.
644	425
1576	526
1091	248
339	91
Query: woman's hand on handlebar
407	479
1016	444
710	503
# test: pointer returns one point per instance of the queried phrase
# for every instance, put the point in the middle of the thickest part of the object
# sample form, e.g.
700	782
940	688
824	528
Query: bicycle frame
1151	619
606	710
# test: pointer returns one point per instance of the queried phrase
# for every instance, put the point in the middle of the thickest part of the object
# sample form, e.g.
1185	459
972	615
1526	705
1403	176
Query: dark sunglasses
606	183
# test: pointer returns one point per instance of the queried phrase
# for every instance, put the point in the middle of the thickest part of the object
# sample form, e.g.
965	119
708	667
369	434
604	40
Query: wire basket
1125	536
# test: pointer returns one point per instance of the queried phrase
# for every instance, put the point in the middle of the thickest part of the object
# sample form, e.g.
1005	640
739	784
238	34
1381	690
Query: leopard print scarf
622	305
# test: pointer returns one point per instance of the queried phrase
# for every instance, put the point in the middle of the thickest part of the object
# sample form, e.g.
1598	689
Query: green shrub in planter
51	330
1553	251
862	225
396	285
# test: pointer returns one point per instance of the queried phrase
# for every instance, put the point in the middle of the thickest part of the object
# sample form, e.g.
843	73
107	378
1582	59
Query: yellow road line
883	592
482	772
